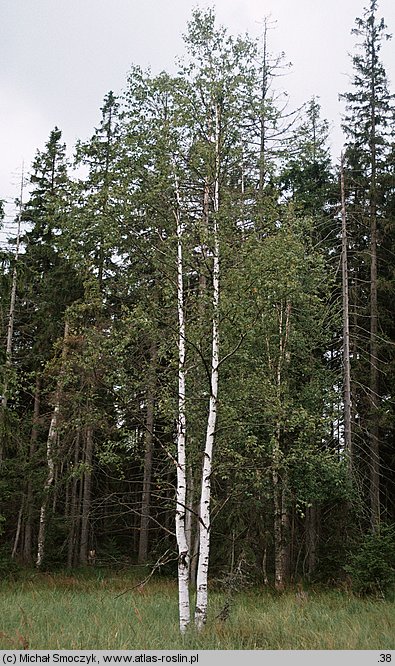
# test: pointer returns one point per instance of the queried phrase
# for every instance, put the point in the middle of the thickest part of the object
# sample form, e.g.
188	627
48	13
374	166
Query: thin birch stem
181	534
205	497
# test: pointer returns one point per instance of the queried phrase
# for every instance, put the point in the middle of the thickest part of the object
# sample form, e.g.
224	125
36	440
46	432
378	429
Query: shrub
372	566
8	567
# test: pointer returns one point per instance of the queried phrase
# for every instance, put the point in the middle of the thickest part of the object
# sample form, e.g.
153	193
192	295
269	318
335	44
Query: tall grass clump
112	612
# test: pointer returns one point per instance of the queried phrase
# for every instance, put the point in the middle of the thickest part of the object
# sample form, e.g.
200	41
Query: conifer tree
367	122
49	287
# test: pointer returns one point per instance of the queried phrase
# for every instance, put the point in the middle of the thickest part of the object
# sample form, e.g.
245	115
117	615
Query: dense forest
197	363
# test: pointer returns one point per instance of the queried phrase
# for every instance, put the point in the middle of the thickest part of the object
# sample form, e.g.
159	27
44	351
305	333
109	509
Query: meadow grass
79	611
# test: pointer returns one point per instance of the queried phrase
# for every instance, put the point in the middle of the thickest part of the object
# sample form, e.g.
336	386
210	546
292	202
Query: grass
77	611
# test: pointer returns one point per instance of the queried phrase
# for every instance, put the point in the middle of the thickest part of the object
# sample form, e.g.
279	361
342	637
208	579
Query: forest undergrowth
109	611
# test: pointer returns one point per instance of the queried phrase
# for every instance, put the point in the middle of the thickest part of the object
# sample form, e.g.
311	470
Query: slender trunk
264	89
346	332
311	539
281	525
264	564
79	516
285	543
87	496
55	489
205	224
278	551
28	529
205	497
149	439
292	534
181	534
374	350
189	513
18	531
10	326
374	371
281	518
73	520
51	446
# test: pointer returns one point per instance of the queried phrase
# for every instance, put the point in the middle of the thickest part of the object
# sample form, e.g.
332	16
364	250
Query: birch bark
181	532
205	496
51	445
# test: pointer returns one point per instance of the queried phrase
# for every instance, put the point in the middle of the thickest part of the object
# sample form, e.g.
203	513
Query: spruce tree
367	122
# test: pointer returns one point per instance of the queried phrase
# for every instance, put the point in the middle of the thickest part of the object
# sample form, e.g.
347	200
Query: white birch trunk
189	512
181	533
51	445
205	497
51	442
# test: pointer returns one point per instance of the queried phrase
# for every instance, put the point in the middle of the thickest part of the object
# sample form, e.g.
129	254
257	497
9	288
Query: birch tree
205	497
181	501
217	74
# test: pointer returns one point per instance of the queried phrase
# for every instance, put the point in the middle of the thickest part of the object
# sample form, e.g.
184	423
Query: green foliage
372	565
317	475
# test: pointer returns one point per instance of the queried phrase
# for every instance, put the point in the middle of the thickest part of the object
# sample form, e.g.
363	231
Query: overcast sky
58	58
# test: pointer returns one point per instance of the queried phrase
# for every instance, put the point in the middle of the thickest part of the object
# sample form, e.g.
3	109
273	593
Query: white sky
58	58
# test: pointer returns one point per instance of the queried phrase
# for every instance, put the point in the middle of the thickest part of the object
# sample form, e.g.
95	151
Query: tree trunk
279	579
87	496
281	530
203	248
281	516
346	333
149	439
285	541
51	447
264	564
181	533
262	118
28	528
73	514
374	354
205	496
18	531
311	538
